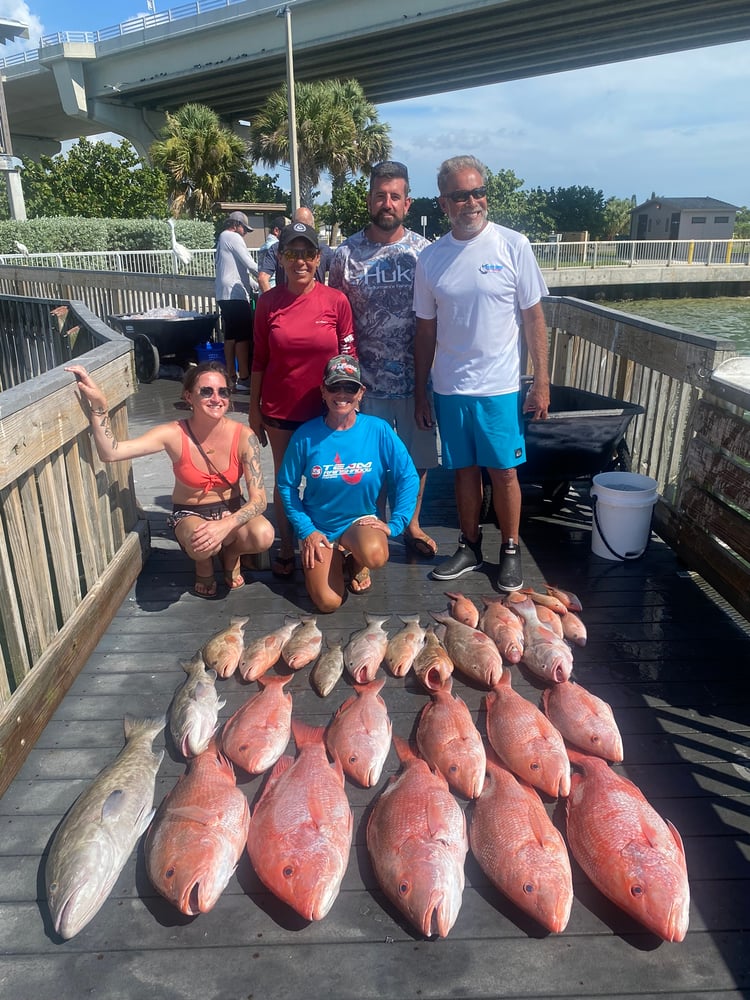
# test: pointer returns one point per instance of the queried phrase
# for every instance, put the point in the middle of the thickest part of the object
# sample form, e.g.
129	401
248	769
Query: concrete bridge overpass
230	55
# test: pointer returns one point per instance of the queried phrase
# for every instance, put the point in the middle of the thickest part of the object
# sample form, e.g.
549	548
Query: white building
683	219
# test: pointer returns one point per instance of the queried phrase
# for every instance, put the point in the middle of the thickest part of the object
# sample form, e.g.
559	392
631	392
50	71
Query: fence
634	253
71	541
551	257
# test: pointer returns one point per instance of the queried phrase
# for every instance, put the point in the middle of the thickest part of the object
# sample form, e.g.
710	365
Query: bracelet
98	413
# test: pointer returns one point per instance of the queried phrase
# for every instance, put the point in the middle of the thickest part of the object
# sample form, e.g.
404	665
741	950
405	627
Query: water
723	316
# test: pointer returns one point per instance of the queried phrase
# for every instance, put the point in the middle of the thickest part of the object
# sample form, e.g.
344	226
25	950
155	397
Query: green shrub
64	235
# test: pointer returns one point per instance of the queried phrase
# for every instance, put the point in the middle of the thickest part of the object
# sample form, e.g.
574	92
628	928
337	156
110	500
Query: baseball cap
298	231
342	368
242	219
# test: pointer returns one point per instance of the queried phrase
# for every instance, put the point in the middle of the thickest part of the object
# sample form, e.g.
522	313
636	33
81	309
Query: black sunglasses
351	388
461	196
310	254
207	391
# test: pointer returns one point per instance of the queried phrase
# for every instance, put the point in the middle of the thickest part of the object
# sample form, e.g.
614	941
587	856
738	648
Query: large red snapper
365	650
194	709
360	734
583	719
261	654
301	829
198	834
303	645
448	740
472	652
258	732
546	655
526	741
433	667
552	620
404	647
520	850
416	839
629	852
223	650
504	628
100	830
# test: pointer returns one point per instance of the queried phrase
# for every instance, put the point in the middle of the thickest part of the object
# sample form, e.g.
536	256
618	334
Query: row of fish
299	836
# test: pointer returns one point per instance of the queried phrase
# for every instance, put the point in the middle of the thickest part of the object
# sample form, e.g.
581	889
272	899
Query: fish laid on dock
327	672
303	645
98	834
404	647
365	651
416	839
433	666
196	839
260	655
259	731
360	734
223	650
194	709
472	652
448	740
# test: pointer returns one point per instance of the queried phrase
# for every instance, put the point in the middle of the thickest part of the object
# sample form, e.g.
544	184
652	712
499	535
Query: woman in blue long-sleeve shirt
344	458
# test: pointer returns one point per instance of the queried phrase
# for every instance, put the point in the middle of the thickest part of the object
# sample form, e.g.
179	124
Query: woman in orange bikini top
210	454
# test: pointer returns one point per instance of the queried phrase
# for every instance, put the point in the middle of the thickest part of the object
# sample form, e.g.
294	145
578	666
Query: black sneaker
510	573
468	556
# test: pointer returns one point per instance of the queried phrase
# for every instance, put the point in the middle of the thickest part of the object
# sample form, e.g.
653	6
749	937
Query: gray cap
242	219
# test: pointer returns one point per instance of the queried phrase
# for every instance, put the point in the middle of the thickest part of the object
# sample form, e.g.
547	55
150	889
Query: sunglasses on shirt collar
458	197
207	391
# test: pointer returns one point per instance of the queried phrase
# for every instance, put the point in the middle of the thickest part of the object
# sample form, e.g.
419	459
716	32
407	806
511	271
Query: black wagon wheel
146	358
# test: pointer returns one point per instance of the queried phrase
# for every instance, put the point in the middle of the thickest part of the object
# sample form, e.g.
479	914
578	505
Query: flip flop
423	545
234	582
283	567
359	581
205	581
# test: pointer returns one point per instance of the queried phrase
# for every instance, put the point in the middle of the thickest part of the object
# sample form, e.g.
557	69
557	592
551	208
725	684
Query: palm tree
201	158
337	132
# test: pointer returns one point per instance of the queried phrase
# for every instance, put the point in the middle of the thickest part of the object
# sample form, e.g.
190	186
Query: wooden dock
671	661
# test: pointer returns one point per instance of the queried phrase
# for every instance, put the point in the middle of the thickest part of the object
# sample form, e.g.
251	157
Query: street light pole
286	13
8	164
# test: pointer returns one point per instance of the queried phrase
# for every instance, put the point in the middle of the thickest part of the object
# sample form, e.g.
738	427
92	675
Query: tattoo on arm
254	478
108	432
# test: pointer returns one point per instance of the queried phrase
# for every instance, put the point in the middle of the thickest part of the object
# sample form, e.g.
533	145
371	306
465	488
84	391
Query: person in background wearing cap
268	254
345	458
298	326
374	268
234	291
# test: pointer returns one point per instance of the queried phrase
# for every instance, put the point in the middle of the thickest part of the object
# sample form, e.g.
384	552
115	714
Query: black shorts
237	316
282	425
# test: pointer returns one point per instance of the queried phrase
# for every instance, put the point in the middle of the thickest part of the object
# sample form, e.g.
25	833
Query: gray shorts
399	413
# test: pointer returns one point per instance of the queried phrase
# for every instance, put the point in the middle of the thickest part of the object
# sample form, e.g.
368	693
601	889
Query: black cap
298	231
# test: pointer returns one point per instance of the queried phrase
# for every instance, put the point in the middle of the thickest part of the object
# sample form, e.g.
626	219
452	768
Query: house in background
683	219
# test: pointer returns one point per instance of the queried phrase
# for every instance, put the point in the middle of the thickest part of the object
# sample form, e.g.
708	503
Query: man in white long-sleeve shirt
235	289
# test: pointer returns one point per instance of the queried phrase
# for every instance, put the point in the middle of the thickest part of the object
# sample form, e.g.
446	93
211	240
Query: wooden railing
110	293
71	541
694	437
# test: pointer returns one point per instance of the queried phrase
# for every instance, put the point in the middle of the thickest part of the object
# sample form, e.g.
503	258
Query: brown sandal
209	582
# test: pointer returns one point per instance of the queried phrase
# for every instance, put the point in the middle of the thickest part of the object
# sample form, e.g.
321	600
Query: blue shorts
481	430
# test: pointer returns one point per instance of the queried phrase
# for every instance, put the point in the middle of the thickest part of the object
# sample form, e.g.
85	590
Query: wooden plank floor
671	662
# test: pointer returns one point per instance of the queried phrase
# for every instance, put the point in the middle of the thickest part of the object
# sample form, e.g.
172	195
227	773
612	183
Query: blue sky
676	124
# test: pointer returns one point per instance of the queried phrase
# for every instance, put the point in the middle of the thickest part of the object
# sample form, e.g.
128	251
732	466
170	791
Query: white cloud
675	123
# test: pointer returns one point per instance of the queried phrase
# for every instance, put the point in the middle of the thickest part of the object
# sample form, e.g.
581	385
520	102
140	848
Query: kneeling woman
344	457
210	453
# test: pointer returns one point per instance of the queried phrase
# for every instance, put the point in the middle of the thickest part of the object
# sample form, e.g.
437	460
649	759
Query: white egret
182	255
22	248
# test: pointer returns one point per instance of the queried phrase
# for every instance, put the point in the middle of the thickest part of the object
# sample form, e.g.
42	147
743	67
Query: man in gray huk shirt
375	270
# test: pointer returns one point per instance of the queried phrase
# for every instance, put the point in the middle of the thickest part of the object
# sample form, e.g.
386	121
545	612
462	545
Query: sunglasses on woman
350	388
207	391
291	255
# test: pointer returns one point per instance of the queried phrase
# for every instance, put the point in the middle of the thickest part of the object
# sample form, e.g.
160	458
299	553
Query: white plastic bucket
623	504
